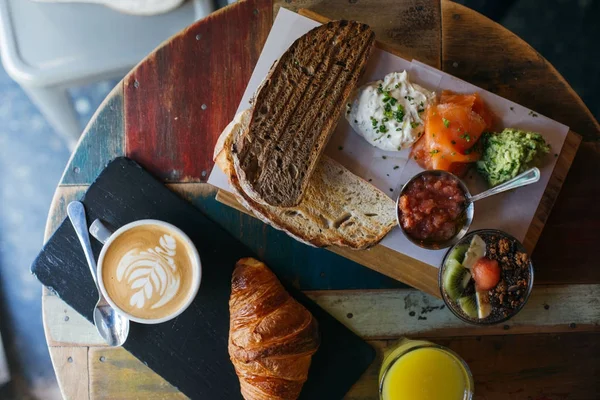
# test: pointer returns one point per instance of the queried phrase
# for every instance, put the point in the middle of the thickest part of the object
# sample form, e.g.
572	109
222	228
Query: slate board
190	351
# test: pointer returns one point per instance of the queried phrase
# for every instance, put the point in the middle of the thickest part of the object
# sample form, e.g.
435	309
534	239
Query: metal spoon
526	178
113	327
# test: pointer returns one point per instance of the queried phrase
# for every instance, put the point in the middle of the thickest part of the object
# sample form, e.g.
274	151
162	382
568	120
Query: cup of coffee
148	270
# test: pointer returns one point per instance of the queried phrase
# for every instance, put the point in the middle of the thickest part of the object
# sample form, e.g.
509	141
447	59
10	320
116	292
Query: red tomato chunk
431	208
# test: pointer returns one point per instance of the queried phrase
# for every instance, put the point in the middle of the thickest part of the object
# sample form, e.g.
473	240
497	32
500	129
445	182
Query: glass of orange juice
420	370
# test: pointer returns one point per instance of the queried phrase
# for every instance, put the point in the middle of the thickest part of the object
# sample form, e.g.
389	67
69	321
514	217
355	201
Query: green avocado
508	153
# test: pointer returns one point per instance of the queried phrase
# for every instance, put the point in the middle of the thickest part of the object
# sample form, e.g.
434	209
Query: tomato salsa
431	208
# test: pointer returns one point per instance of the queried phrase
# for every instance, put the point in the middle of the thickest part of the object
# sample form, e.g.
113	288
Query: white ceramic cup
99	231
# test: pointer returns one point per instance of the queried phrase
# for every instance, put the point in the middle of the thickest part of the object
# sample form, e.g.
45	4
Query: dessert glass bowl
453	305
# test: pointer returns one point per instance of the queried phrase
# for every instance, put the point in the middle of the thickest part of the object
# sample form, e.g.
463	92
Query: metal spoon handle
76	213
528	177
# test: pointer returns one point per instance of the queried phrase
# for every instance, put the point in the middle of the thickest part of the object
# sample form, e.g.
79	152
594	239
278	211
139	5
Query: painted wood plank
551	193
101	141
71	367
504	368
534	367
66	327
58	208
116	374
480	51
182	95
383	314
565	252
379	258
305	266
410	28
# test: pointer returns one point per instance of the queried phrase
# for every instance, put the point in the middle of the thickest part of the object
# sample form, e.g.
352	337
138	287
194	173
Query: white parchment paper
511	212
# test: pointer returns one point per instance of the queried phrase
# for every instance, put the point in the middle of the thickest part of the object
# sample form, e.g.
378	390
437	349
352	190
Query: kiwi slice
458	253
468	305
455	279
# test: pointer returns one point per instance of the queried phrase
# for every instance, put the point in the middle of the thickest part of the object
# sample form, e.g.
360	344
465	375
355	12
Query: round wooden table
167	113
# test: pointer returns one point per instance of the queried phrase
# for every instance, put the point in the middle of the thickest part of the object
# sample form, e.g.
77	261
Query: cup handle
100	231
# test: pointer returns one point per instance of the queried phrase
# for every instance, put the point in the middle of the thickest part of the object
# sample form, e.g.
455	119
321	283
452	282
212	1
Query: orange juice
419	370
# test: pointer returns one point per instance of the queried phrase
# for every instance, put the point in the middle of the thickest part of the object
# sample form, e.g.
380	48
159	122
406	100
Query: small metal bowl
453	306
469	211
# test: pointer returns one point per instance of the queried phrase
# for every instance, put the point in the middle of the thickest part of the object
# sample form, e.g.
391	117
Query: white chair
49	47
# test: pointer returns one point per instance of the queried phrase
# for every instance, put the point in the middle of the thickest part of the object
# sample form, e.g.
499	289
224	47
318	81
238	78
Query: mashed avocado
508	153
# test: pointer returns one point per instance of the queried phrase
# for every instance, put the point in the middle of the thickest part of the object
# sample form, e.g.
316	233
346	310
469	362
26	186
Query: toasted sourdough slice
296	109
339	208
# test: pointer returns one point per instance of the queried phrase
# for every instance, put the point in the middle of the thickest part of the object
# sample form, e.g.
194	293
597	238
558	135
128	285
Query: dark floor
32	158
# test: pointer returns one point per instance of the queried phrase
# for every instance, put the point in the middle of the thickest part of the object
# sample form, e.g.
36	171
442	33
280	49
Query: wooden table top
168	112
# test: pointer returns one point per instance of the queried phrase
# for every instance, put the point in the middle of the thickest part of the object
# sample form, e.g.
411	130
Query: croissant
272	337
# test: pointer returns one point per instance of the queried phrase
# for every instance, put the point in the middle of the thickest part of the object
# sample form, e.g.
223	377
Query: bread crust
309	208
296	109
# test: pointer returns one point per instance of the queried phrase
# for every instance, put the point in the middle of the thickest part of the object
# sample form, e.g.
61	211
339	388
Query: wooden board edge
555	183
305	12
378	258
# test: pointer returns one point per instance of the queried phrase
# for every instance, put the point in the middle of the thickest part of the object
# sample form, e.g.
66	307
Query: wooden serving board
417	273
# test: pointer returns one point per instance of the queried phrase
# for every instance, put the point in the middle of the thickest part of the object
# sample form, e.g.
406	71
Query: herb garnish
399	115
446	122
434	151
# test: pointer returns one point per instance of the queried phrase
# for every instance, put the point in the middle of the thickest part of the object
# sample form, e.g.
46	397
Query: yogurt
389	113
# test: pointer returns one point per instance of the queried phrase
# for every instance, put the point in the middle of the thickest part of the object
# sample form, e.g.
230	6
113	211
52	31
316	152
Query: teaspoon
112	326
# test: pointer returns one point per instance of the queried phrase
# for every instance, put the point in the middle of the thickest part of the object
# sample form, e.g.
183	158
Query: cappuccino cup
148	270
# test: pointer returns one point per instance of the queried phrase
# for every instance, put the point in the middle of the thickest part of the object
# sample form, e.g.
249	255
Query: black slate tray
190	351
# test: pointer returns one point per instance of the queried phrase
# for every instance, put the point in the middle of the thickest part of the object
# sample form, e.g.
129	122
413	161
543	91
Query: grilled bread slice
339	208
296	110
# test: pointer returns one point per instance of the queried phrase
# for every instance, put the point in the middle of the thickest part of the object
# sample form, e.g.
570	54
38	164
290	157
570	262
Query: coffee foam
148	271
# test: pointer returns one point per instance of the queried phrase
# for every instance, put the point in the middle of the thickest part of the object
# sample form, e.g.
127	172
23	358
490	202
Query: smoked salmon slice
452	128
474	101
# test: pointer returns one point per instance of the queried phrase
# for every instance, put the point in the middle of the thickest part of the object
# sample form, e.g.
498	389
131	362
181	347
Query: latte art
149	272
